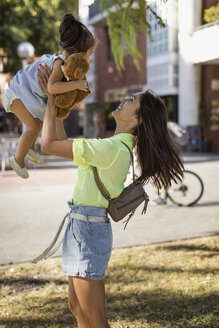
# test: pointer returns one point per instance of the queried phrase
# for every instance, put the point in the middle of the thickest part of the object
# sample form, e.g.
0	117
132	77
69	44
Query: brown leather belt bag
127	202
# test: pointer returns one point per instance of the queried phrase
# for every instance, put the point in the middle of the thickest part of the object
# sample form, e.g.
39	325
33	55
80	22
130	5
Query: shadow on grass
186	247
158	306
58	321
130	272
24	283
127	272
40	313
162	306
207	251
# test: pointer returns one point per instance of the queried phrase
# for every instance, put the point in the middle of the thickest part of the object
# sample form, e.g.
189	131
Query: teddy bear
75	68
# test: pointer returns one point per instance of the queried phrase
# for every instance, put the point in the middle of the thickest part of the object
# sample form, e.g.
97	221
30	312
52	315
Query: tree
125	20
211	14
35	21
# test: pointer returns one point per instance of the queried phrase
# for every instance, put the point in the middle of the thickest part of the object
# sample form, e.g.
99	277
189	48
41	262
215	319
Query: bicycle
185	193
188	192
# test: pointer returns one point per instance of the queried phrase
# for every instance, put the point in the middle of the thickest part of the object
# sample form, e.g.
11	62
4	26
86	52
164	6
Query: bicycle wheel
188	192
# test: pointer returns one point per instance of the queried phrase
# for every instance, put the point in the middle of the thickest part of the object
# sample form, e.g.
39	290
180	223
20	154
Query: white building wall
162	54
91	76
189	17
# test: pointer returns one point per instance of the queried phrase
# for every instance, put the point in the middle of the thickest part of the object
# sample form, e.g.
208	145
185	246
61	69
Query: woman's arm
57	86
61	134
50	142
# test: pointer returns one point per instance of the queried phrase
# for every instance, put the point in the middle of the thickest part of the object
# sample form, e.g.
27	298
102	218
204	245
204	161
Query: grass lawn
165	285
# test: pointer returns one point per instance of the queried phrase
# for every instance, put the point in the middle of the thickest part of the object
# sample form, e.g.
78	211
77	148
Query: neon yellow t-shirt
112	160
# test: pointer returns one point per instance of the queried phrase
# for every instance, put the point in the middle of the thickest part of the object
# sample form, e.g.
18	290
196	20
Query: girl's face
126	111
89	53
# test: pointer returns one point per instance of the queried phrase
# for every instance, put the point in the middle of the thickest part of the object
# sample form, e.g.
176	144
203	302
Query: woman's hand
52	144
43	76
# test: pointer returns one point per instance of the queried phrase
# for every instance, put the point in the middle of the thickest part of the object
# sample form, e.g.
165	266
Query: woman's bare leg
91	296
28	138
74	305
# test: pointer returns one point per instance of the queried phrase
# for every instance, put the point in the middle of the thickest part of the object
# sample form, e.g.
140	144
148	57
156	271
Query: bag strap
47	252
132	159
100	184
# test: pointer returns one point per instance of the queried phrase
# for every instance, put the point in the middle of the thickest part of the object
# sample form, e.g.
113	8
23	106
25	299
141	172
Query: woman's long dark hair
158	157
74	36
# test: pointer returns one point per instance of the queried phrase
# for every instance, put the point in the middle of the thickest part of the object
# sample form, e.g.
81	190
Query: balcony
204	44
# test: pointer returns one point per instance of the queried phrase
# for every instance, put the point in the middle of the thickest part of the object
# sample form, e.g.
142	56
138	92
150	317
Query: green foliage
126	19
211	14
35	21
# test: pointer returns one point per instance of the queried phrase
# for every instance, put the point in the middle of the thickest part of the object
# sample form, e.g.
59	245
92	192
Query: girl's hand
82	85
43	76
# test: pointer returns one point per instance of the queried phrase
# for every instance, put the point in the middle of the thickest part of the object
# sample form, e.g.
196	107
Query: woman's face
126	111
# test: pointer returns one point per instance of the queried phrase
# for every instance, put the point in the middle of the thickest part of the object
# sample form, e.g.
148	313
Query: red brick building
111	87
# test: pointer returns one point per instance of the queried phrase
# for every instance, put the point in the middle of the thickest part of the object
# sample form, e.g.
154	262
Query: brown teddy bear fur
75	68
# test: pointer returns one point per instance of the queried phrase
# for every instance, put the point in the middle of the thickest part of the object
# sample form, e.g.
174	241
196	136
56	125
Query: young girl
26	98
87	245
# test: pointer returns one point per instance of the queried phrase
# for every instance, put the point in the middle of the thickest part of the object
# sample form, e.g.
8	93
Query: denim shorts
87	246
8	98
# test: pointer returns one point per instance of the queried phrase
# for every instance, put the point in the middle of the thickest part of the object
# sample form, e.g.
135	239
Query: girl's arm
57	86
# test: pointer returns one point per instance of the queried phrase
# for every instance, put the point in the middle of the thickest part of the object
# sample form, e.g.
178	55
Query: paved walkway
31	209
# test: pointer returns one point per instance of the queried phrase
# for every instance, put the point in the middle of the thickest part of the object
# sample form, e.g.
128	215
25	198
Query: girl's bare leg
74	305
33	144
91	297
28	138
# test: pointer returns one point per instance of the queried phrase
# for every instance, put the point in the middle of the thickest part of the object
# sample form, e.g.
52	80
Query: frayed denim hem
82	275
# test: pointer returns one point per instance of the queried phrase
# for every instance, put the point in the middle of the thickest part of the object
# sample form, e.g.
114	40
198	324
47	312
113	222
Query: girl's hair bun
74	36
68	20
69	30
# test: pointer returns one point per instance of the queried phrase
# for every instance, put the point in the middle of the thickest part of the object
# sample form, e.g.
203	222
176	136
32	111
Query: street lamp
25	50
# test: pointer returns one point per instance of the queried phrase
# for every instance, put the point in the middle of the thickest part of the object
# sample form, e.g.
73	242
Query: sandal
33	156
21	171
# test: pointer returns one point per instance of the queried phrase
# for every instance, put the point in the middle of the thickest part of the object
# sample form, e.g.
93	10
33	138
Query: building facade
199	71
181	65
205	64
162	54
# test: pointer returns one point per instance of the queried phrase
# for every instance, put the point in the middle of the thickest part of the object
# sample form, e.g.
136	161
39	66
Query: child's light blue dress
26	86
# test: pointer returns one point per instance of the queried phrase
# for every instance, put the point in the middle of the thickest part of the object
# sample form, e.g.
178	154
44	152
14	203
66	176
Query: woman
87	245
